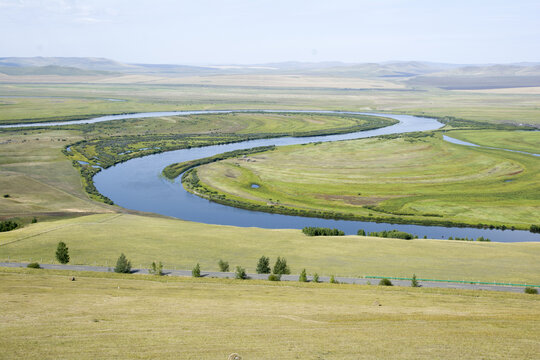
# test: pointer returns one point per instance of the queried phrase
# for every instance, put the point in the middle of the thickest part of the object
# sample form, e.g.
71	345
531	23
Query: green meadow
99	239
415	178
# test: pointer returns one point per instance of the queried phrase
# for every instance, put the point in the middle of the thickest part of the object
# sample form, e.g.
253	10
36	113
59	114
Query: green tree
123	265
280	267
530	290
263	266
62	253
333	280
223	265
156	268
316	278
303	276
196	272
361	232
414	282
240	273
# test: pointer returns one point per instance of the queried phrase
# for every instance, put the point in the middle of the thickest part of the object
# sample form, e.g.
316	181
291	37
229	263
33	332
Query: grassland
417	179
42	182
46	316
99	239
528	141
83	100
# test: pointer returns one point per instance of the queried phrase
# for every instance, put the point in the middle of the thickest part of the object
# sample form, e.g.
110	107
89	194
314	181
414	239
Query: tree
280	267
123	265
196	272
223	265
156	269
240	273
530	290
361	232
414	282
62	254
303	276
333	280
316	277
263	266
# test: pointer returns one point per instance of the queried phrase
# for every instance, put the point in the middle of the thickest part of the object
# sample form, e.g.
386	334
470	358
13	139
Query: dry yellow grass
45	315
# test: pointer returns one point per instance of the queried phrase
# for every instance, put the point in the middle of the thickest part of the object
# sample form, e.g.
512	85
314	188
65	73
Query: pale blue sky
259	31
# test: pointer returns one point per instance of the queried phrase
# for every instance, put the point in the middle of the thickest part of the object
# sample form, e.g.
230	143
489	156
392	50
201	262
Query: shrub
280	267
274	277
396	234
303	276
156	269
62	253
316	277
123	265
8	225
385	282
530	290
223	266
263	266
6	195
196	271
320	231
535	229
333	280
33	265
34	220
361	232
414	282
240	273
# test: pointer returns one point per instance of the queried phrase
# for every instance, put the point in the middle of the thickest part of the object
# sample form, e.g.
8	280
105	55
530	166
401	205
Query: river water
137	184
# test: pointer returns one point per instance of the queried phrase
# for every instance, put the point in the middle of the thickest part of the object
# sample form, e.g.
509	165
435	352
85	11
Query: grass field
83	100
422	179
38	178
46	316
99	239
528	141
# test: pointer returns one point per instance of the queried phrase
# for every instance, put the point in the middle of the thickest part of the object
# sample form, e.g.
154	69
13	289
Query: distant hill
482	77
412	73
50	70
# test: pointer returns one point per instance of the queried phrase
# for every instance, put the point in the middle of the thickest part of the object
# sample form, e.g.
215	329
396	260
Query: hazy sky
259	31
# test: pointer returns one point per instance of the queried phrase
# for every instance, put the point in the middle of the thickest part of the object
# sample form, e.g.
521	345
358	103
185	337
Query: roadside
230	275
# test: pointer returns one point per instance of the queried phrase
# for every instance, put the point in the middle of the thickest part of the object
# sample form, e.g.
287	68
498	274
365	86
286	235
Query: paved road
345	280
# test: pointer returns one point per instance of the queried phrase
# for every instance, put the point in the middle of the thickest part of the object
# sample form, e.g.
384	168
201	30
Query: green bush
156	268
316	278
8	225
274	277
123	265
303	276
320	231
223	266
33	265
385	282
361	232
396	234
280	267
196	271
333	280
414	282
263	266
34	220
240	273
530	290
62	253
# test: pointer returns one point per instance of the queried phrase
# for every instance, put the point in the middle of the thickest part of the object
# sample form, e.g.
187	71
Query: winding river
137	184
